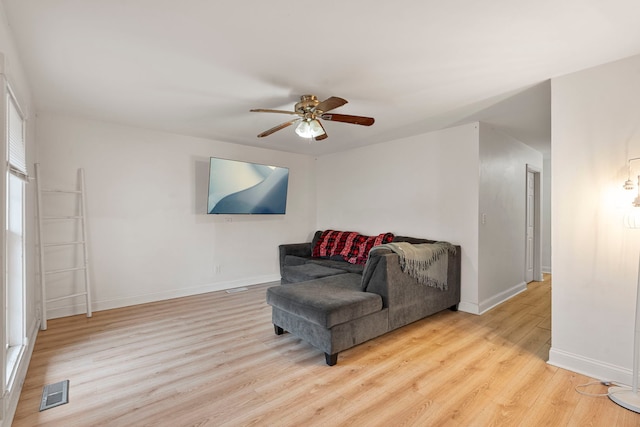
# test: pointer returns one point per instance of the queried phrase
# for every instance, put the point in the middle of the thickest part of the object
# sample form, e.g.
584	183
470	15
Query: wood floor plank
214	360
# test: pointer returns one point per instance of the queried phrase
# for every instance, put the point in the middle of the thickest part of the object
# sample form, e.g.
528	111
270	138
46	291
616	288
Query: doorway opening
533	231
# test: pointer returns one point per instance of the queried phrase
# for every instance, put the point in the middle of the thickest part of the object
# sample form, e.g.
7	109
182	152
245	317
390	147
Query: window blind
17	151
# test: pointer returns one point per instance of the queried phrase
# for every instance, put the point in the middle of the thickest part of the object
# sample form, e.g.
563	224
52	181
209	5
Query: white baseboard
79	307
493	301
468	307
546	269
503	296
590	367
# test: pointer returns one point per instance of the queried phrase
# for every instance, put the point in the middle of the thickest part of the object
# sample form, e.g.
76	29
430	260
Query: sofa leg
278	330
454	307
331	359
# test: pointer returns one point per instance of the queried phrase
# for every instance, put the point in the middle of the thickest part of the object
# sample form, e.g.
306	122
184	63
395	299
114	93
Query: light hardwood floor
214	360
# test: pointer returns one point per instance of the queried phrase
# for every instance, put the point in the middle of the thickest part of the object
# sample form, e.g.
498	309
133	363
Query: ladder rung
51	190
67	296
64	270
61	217
81	242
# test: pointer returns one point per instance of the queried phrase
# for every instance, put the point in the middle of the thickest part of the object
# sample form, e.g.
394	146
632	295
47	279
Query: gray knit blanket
426	262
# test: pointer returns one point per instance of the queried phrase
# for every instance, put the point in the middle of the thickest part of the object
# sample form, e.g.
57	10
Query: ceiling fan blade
330	103
277	128
323	135
266	110
345	118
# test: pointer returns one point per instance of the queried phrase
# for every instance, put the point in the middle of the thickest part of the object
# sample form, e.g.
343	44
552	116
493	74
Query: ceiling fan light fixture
316	128
309	129
309	110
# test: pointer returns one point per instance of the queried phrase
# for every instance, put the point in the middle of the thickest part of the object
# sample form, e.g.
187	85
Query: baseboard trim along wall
495	300
468	307
589	367
79	308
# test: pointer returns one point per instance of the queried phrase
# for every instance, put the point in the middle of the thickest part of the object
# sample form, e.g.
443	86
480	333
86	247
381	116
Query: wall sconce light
628	184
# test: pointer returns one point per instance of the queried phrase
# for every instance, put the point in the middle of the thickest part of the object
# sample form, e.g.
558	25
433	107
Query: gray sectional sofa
335	305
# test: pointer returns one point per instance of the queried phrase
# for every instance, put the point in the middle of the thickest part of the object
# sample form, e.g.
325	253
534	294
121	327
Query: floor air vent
235	290
55	395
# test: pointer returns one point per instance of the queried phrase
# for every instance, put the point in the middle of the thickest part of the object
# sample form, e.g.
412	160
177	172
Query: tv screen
237	187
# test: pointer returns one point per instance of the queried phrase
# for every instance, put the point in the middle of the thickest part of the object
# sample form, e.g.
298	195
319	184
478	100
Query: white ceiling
196	67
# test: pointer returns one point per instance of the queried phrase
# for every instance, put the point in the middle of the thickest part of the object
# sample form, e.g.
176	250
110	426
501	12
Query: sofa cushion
309	271
328	301
295	260
342	265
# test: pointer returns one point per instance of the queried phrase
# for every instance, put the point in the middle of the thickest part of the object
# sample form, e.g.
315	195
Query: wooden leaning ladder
76	216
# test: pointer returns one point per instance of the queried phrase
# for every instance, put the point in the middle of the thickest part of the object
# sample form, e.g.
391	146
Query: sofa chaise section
331	313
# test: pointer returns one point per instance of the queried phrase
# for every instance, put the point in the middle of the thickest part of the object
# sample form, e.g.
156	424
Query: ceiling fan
309	110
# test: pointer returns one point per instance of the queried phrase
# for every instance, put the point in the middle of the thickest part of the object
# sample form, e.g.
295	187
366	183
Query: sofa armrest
406	299
296	249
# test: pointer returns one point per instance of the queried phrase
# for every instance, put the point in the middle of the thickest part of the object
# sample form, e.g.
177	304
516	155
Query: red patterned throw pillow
360	252
332	243
352	247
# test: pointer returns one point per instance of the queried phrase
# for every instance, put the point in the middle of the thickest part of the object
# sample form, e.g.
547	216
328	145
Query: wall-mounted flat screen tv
237	187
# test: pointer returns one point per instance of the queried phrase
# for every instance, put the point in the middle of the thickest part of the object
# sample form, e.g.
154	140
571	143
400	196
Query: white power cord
603	383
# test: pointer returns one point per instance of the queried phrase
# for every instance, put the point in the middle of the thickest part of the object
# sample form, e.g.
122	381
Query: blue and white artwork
237	187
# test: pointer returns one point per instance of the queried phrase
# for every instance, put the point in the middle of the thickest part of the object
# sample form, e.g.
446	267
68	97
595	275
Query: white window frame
13	343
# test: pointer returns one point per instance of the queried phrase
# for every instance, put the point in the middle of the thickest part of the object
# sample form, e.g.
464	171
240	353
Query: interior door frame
537	223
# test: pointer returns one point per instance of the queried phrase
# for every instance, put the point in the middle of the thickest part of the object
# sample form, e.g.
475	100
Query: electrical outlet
217	269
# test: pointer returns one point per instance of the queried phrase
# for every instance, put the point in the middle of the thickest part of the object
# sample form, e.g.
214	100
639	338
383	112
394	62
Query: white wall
11	67
596	128
502	200
149	235
436	186
422	186
546	215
